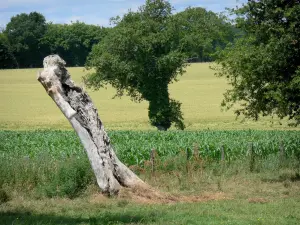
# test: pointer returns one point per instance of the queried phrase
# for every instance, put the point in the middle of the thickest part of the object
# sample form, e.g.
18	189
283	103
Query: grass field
25	105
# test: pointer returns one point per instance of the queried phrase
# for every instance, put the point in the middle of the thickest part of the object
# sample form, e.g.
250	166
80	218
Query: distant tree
7	59
140	57
73	41
263	66
202	32
24	32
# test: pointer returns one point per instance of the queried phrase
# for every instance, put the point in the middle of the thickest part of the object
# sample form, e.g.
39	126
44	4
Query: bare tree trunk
78	108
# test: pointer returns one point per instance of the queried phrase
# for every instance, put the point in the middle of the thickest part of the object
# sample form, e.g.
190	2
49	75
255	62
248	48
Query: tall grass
53	163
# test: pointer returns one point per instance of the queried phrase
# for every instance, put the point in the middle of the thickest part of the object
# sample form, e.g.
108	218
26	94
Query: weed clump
70	180
4	197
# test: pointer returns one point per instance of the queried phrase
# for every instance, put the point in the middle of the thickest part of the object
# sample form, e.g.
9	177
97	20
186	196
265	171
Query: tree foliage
141	56
31	39
24	32
7	59
202	32
263	66
73	42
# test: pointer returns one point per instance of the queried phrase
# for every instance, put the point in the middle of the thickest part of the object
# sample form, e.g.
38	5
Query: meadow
25	105
45	176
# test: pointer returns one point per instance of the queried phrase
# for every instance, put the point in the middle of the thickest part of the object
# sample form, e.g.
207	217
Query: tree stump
78	108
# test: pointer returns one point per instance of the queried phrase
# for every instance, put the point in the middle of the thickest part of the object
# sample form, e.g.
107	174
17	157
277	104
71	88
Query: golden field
24	103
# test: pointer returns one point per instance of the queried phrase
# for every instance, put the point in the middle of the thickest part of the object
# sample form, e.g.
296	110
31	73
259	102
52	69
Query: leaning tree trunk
78	108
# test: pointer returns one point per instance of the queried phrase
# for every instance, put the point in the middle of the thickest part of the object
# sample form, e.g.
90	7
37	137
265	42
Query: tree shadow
24	218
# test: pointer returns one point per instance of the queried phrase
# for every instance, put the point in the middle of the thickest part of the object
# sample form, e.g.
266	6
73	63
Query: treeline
28	38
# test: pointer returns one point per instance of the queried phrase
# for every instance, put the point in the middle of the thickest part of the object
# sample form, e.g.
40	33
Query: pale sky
95	11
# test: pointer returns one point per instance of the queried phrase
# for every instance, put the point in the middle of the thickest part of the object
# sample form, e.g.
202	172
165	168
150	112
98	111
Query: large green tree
73	42
24	32
263	66
140	57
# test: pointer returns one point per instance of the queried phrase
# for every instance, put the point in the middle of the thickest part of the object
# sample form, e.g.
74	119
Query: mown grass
24	104
239	212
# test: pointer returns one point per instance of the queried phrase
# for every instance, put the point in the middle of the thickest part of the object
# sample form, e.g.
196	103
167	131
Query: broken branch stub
78	108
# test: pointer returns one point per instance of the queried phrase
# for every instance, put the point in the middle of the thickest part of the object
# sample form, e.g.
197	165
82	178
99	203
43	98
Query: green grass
246	198
239	212
24	104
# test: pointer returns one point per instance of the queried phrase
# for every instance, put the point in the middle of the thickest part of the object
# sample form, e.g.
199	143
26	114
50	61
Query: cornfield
133	147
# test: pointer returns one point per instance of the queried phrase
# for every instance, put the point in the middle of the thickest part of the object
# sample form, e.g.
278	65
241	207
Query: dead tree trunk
78	108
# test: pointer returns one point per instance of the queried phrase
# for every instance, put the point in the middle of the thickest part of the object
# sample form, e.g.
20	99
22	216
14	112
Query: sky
96	12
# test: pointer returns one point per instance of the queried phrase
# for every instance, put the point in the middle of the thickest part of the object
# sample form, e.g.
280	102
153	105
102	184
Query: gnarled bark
77	106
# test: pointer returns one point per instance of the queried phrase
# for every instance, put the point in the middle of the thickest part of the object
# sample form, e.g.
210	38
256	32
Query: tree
263	66
72	41
141	56
78	108
7	59
24	32
202	32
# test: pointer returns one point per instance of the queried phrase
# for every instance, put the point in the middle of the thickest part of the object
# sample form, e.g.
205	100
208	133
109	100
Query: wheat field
25	105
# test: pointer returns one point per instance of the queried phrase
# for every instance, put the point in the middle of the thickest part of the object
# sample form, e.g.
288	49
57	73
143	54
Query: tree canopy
73	42
141	56
24	32
263	66
7	59
202	32
28	39
149	49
